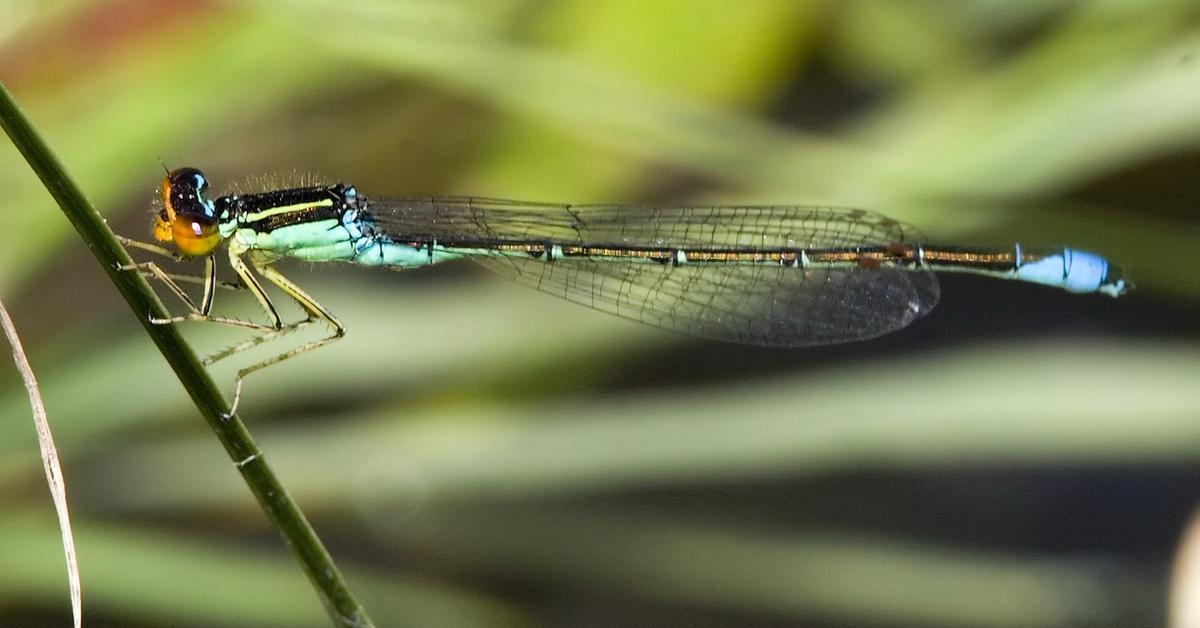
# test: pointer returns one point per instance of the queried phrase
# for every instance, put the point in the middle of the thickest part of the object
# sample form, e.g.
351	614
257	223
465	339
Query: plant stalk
285	515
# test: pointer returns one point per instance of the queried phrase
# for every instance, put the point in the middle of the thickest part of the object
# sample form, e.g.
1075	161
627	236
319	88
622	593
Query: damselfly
762	275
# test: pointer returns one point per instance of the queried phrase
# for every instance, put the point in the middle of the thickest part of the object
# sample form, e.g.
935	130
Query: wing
720	227
759	304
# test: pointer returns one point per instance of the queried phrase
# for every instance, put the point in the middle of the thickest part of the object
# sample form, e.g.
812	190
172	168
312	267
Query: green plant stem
283	512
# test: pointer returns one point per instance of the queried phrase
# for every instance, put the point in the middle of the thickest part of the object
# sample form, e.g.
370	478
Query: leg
157	272
255	288
275	329
152	269
179	278
201	313
171	281
315	310
148	267
153	248
269	334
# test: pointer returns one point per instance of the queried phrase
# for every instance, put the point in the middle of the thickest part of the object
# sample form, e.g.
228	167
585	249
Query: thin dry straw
54	474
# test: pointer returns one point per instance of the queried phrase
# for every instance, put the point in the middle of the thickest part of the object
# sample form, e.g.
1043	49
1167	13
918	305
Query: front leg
149	267
201	312
153	248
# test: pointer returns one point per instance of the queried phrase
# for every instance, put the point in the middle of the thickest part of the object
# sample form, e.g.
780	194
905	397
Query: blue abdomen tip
1085	271
1076	271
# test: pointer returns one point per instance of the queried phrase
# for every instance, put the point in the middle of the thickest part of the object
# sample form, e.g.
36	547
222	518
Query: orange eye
187	219
194	236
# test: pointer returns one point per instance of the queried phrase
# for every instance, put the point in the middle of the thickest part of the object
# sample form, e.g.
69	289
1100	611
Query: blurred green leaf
1077	404
133	573
481	432
855	577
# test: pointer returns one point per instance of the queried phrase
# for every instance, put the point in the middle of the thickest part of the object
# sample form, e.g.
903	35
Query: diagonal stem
283	512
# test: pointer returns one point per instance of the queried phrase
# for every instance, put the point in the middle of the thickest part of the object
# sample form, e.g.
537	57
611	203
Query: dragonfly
769	275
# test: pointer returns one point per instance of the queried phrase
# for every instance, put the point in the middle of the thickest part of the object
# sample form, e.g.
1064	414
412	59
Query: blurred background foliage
477	454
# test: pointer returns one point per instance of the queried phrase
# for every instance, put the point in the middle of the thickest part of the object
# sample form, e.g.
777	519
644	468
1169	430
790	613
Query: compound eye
194	236
187	180
183	193
187	218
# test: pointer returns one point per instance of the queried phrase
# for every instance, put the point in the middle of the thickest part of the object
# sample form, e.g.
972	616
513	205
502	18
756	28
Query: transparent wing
752	304
466	219
760	305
